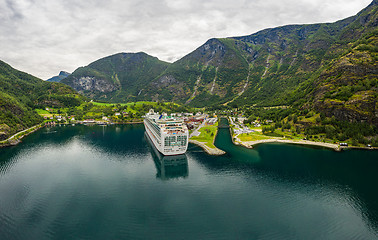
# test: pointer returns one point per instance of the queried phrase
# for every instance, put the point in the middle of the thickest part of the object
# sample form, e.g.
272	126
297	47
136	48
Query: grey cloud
14	13
44	37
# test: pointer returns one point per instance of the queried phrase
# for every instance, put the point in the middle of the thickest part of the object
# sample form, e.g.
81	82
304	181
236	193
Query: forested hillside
117	78
21	93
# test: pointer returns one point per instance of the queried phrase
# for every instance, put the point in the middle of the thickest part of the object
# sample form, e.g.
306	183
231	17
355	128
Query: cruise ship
168	134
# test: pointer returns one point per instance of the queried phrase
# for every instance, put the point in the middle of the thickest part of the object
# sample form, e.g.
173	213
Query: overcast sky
42	37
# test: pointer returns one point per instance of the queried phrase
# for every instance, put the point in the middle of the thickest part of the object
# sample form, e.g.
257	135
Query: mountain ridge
276	66
62	75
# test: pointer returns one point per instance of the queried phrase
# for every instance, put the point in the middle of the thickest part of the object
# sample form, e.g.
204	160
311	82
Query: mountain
328	67
21	93
213	73
117	78
347	87
272	67
62	75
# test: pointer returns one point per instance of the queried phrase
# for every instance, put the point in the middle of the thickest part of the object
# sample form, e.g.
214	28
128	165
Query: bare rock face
117	78
53	103
212	52
355	71
355	110
93	84
165	81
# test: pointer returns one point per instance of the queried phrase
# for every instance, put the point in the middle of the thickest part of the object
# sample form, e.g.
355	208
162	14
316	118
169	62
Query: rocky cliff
117	78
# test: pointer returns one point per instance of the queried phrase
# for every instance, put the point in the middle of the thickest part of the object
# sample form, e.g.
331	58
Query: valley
326	74
189	119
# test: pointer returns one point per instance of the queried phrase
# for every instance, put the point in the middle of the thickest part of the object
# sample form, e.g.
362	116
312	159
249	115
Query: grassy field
132	107
108	104
115	112
122	104
252	137
96	109
311	119
127	104
44	113
207	135
246	137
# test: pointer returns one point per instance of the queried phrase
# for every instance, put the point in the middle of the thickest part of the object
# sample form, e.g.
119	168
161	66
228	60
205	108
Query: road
196	133
10	138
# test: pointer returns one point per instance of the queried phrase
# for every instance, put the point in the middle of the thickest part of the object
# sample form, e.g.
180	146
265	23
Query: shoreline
13	140
335	147
210	151
250	144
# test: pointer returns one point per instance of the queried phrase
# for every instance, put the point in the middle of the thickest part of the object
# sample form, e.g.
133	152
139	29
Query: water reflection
351	172
168	167
99	183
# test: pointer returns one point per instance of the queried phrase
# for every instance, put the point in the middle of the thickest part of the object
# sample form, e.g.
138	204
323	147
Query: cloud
43	37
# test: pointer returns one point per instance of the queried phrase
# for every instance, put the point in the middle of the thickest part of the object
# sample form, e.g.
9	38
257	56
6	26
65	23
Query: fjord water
93	182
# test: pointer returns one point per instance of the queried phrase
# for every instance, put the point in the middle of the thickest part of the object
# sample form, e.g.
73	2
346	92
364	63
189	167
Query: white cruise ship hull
159	142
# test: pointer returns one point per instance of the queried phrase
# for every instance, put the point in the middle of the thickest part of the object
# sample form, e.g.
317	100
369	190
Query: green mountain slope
347	88
272	67
288	60
21	93
212	73
117	78
314	66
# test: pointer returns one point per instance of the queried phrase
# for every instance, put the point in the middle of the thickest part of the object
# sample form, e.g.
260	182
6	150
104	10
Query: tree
268	129
295	119
318	120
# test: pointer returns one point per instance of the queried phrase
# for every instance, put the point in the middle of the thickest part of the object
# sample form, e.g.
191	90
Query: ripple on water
7	225
100	186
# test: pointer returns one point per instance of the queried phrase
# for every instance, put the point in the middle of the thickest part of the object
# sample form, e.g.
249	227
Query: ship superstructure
168	134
